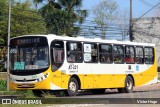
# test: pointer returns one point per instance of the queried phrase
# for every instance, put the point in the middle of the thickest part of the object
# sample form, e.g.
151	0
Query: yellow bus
69	64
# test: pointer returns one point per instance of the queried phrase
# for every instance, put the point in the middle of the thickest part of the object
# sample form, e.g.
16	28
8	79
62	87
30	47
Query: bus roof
51	37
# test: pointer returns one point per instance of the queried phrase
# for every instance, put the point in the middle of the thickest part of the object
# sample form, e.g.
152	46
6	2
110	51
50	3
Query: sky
139	7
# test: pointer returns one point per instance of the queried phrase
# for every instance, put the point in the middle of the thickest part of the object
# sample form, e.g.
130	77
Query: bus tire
128	86
72	87
98	91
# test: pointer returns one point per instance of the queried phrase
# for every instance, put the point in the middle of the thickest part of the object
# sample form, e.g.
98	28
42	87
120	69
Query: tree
73	9
53	16
3	21
60	16
74	14
24	20
104	12
123	23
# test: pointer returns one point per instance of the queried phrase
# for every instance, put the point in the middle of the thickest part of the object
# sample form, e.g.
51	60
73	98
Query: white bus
69	64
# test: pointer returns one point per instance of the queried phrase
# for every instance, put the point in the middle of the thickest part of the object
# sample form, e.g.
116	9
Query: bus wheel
128	86
98	91
72	87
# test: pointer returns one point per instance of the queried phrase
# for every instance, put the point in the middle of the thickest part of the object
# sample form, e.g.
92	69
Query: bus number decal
73	68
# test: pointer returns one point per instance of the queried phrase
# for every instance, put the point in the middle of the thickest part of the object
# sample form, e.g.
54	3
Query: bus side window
70	57
74	52
129	54
57	54
118	53
105	53
149	55
92	51
139	55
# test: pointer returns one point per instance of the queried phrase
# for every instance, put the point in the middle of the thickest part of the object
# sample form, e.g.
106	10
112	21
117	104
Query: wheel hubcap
72	87
129	84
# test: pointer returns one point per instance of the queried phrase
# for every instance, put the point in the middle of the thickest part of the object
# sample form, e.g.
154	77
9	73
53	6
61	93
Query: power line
146	12
146	3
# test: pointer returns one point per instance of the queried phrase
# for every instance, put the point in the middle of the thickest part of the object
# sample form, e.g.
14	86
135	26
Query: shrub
3	85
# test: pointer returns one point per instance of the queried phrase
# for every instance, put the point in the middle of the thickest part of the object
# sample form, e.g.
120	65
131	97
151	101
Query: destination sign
28	41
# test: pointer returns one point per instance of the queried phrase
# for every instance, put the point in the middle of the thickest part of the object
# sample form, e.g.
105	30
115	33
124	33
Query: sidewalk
148	87
151	87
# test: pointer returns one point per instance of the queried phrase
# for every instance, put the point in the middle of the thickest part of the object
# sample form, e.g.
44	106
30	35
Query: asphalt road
114	94
147	91
144	96
141	97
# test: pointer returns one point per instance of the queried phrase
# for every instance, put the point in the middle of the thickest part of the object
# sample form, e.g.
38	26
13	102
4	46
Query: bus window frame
150	55
114	54
97	51
51	54
111	60
134	54
71	41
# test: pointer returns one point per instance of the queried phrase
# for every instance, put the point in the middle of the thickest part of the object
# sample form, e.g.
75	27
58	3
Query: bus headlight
43	77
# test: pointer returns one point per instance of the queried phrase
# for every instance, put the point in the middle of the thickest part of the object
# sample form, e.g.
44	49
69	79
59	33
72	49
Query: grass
19	94
25	94
3	85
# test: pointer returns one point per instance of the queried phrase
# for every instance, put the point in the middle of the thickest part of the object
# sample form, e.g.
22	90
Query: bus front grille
26	80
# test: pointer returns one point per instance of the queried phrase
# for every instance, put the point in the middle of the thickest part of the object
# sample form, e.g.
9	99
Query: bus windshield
29	58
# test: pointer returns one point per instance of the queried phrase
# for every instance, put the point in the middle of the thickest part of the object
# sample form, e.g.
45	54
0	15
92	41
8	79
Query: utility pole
9	17
131	23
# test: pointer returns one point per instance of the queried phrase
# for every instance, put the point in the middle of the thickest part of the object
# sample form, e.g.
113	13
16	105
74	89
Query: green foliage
2	69
24	20
3	85
60	16
26	94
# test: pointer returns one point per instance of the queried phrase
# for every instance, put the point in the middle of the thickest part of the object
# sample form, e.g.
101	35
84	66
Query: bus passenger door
57	60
